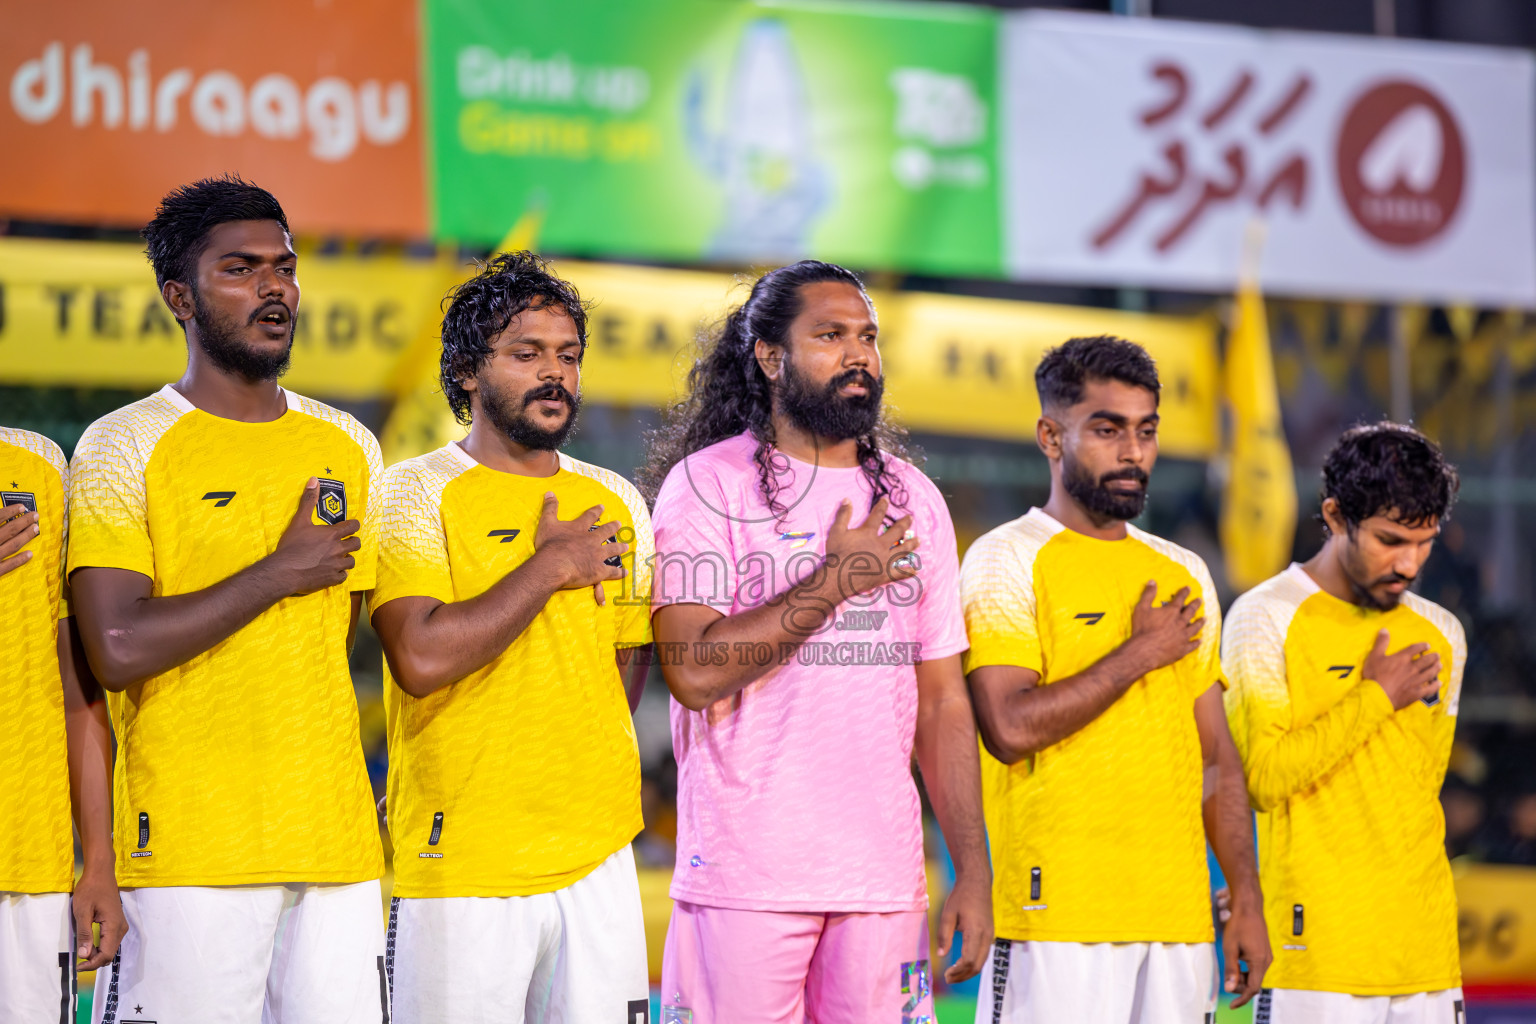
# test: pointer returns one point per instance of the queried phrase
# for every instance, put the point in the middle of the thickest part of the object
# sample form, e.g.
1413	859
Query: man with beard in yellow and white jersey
58	746
509	633
222	534
1098	690
1344	694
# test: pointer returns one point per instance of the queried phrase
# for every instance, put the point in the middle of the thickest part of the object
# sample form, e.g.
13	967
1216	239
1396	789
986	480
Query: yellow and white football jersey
37	852
1357	888
1098	838
523	776
243	765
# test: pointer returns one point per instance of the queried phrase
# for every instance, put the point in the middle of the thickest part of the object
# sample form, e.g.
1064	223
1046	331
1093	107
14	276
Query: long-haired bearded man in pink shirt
807	615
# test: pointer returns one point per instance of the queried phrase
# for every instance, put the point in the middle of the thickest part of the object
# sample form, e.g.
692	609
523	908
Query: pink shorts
767	967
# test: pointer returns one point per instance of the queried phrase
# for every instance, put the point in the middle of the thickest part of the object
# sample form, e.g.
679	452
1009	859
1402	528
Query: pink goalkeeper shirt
796	794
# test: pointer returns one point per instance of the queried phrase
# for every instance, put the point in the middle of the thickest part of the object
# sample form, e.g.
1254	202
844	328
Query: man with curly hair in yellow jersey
510	637
1344	693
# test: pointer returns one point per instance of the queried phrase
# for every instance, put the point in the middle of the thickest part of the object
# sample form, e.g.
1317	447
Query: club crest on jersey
23	498
332	503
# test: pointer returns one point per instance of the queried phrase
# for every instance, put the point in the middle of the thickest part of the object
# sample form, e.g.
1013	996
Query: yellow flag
1258	510
421	420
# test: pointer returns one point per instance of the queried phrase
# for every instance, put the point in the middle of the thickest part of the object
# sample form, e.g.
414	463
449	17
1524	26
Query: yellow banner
1498	923
643	327
953	365
957	365
89	314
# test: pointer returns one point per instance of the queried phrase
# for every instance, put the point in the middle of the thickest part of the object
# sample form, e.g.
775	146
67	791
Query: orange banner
110	105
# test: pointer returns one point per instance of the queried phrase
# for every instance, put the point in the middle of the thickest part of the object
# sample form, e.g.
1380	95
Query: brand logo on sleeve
219	498
1092	618
1341	670
507	536
331	506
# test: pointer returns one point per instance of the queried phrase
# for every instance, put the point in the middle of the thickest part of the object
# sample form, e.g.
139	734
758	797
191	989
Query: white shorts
574	955
37	960
1098	983
281	954
1302	1006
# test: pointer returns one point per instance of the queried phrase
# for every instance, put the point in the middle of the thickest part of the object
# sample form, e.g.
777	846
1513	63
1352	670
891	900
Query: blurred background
1312	213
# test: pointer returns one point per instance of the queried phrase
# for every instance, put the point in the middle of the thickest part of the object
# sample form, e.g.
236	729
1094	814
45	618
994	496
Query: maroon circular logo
1401	163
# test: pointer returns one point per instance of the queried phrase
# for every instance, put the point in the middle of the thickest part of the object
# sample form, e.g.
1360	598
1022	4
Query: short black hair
178	234
482	307
1380	468
1065	369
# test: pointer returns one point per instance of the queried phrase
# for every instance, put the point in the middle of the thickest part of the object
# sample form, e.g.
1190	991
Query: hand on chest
1084	612
492	523
770	558
212	516
1325	660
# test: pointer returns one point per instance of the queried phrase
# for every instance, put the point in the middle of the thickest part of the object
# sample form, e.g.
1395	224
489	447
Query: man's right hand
870	555
579	548
16	532
1161	634
315	556
1411	674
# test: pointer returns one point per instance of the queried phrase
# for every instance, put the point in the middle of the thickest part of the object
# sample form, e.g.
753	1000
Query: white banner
1137	151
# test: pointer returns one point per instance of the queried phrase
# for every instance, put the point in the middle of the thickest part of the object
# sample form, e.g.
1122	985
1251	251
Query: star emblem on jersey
1341	670
219	498
1092	618
26	499
507	536
332	503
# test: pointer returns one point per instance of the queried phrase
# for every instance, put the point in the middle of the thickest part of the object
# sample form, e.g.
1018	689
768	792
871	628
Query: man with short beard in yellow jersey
508	631
1098	688
1343	702
222	535
57	745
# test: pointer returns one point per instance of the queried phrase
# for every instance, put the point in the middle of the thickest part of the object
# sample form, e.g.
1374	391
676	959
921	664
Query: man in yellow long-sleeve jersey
1344	686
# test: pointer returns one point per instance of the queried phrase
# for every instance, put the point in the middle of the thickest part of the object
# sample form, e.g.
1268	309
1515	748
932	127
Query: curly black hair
178	233
728	393
482	307
1063	370
1388	469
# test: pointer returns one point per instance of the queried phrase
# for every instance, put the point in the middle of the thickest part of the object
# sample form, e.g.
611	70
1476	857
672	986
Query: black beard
822	412
220	337
509	416
1096	497
1364	596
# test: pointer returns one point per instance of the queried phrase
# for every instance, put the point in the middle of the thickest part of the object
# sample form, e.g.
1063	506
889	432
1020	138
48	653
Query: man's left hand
1244	937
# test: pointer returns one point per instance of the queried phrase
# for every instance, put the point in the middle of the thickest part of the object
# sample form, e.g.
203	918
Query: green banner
720	130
